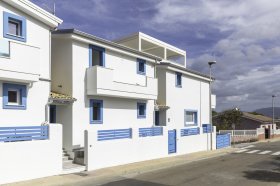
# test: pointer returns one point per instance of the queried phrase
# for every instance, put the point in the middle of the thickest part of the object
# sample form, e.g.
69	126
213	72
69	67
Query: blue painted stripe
11	134
114	134
152	131
189	132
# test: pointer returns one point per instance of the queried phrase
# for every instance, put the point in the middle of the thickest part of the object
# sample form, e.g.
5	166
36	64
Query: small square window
97	55
190	117
178	80
14	27
141	66
141	110
14	96
96	111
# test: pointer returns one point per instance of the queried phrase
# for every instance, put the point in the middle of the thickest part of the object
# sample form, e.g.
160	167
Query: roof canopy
148	44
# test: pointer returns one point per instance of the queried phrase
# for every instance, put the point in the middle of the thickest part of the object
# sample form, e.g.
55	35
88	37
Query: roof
260	118
59	98
185	69
35	11
104	41
247	115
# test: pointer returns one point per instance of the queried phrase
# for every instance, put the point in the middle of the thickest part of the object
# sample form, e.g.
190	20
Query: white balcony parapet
19	62
100	81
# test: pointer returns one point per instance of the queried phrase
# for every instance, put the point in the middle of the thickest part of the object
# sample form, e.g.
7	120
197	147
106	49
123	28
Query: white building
115	86
124	94
183	95
28	150
25	62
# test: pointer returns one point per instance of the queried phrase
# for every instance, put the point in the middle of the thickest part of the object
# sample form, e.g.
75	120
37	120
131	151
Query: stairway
68	166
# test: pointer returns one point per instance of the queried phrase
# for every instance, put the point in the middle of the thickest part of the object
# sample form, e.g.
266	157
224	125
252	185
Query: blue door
172	141
222	141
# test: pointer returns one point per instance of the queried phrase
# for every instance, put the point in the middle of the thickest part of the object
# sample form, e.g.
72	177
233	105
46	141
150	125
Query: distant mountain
268	111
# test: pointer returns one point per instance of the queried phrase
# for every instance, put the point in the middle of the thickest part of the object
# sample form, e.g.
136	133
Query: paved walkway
114	173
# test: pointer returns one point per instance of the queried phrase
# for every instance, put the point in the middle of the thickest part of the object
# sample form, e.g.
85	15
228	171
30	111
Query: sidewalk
115	173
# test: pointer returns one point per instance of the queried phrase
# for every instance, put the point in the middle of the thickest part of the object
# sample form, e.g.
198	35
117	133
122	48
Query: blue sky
243	35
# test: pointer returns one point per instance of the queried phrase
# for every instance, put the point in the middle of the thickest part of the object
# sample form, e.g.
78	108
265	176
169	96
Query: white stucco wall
34	115
31	159
123	151
117	112
37	35
194	95
69	71
28	62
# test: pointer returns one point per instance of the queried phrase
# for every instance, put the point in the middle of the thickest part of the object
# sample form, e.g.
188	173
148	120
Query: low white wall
32	159
196	143
101	154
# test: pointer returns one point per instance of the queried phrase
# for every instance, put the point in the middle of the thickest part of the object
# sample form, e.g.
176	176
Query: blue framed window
141	66
141	110
190	117
14	27
96	111
178	80
96	56
14	96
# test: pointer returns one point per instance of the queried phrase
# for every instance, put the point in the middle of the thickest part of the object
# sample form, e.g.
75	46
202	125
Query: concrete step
67	161
69	168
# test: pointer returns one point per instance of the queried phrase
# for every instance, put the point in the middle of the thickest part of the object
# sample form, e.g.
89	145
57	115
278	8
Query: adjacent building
25	63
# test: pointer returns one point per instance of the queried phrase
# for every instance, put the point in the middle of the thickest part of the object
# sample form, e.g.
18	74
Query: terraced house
72	101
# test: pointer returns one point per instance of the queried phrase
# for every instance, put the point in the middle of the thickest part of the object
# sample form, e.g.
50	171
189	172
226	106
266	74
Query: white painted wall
194	95
123	151
69	70
31	159
28	62
37	98
38	40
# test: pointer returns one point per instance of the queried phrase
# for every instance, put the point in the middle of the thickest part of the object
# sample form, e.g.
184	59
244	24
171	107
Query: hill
268	111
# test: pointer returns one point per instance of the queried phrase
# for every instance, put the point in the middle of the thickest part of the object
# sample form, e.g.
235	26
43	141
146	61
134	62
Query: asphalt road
255	165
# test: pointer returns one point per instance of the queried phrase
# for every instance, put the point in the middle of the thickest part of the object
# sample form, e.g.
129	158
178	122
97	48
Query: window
96	56
141	66
141	110
96	111
190	117
14	96
14	27
178	79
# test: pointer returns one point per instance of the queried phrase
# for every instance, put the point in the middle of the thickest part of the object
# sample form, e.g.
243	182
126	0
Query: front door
172	141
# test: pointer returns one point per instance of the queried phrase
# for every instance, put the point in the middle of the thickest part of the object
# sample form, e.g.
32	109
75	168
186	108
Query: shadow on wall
269	173
133	182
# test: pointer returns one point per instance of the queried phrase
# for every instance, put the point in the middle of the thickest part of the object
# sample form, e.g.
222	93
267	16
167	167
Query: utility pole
210	63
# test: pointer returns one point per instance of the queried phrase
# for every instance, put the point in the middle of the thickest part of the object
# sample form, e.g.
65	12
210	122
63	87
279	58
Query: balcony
19	62
101	82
